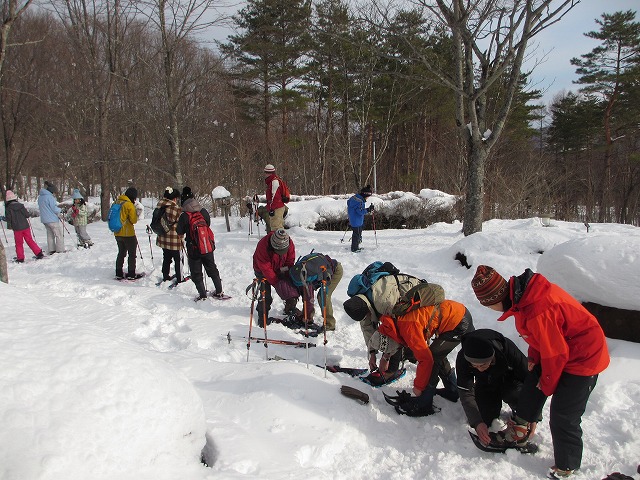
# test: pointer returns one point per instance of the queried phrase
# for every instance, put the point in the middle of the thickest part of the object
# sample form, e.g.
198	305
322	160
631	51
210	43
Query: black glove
271	213
370	209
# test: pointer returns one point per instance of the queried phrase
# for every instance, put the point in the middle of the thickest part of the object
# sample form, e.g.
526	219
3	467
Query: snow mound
79	404
601	269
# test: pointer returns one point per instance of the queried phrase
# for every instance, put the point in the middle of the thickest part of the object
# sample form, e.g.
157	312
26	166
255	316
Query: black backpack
159	223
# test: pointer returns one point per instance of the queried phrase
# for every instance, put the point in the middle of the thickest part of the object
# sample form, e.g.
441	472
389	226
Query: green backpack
422	295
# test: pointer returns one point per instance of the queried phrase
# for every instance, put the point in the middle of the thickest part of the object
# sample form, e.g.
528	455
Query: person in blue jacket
357	210
49	212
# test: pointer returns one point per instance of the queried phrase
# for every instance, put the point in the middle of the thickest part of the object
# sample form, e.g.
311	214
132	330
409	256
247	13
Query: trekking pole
324	316
263	292
65	227
253	289
153	265
33	234
373	219
5	234
345	233
140	252
305	292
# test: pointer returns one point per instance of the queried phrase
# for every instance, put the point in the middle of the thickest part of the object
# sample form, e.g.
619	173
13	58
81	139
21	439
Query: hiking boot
40	255
19	260
556	473
517	432
134	276
219	295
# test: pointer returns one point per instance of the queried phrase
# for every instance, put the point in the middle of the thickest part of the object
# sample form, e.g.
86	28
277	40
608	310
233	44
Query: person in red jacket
567	351
274	255
447	322
275	204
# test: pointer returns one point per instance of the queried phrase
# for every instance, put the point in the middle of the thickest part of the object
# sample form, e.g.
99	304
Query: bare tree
178	21
489	42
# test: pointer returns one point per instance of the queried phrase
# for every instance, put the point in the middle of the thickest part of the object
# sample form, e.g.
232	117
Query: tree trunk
474	204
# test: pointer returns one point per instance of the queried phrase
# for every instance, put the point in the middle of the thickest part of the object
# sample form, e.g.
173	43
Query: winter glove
272	213
370	209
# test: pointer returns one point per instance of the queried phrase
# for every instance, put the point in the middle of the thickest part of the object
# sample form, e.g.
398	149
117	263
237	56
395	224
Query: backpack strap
436	311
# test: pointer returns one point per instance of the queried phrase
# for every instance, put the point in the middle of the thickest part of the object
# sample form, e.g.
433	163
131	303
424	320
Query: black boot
450	390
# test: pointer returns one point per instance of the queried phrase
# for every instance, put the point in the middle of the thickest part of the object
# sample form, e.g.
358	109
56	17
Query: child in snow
18	221
567	351
78	215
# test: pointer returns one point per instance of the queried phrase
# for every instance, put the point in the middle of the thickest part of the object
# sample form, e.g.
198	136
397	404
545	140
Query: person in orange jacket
567	351
447	322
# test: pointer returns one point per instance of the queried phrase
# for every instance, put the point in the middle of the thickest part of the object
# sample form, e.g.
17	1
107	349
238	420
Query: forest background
101	94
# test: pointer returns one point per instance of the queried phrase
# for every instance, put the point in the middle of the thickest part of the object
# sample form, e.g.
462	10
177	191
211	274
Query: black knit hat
51	187
366	191
171	193
186	194
356	307
132	193
477	349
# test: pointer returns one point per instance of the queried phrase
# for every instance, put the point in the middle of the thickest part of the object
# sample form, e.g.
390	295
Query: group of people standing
177	218
51	216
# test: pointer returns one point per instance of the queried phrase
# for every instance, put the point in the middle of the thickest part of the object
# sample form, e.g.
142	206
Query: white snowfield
108	380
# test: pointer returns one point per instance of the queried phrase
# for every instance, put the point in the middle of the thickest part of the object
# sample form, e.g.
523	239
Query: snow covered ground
108	380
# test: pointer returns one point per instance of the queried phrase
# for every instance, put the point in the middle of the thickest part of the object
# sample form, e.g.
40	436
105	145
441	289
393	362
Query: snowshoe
497	447
377	379
219	296
178	282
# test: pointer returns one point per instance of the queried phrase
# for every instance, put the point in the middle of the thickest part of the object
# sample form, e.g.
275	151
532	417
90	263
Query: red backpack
284	189
202	240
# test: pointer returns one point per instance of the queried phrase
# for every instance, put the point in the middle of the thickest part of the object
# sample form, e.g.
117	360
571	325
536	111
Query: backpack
159	223
285	192
202	240
387	290
113	217
362	282
311	269
422	295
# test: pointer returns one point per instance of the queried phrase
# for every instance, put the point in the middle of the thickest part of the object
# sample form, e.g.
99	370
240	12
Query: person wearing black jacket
491	369
195	258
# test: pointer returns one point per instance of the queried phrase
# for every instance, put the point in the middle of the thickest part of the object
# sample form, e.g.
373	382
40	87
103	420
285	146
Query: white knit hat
268	168
9	195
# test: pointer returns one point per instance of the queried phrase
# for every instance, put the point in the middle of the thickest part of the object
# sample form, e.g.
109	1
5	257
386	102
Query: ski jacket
79	215
16	215
509	367
170	240
356	210
183	228
414	329
273	192
48	206
562	335
267	263
128	215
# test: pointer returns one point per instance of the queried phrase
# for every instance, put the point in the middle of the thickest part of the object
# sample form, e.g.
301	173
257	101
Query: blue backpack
113	218
311	270
362	282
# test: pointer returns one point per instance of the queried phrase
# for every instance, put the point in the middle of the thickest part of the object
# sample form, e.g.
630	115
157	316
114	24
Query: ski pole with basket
254	295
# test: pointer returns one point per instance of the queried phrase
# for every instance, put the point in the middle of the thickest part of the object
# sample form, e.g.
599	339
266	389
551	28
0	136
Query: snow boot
450	390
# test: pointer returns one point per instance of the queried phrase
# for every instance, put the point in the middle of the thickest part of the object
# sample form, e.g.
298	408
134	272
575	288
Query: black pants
568	404
443	345
489	398
356	238
126	247
196	262
169	256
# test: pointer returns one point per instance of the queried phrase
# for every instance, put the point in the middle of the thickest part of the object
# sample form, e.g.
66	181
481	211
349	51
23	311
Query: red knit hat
489	286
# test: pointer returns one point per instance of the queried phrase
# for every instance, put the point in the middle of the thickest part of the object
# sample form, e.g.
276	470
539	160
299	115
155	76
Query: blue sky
566	40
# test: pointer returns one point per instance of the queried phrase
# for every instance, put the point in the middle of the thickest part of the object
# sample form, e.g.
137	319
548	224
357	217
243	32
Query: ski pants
126	248
169	256
443	345
489	398
196	262
277	221
21	236
568	404
308	296
81	232
55	241
356	238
